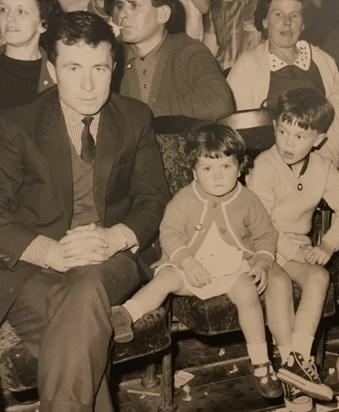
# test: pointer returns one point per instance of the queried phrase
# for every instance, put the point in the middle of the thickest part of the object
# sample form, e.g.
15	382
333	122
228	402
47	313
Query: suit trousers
64	321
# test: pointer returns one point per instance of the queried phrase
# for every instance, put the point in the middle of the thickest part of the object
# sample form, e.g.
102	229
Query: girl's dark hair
261	12
306	107
74	27
213	140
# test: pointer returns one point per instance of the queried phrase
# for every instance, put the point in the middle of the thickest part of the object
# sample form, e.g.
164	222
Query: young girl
216	238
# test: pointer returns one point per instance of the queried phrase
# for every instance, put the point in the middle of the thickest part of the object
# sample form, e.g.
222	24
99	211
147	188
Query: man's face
83	74
139	20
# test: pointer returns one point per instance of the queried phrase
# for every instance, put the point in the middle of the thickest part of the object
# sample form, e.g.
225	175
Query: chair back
255	126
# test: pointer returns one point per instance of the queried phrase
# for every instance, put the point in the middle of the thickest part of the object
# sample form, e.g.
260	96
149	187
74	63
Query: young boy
290	179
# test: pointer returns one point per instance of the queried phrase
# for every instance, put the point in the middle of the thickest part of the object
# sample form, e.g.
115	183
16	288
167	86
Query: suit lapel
55	140
106	149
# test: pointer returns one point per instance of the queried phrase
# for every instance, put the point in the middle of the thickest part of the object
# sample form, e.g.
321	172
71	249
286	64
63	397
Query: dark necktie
87	141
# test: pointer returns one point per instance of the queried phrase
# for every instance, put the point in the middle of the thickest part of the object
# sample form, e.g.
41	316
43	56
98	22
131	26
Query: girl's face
20	22
284	23
217	177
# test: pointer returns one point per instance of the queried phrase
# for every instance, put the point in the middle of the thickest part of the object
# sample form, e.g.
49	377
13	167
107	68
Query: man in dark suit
82	192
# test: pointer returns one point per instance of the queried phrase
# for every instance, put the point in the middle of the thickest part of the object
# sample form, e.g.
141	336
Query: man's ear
114	66
274	125
164	14
52	72
319	141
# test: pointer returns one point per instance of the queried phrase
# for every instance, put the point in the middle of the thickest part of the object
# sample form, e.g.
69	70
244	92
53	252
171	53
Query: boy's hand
195	272
301	254
320	254
259	272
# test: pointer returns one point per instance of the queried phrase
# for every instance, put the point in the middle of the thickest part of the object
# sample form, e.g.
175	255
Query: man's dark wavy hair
307	108
74	27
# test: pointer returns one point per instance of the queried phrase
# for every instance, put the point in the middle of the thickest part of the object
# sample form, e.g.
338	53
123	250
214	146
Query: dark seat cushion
18	368
219	315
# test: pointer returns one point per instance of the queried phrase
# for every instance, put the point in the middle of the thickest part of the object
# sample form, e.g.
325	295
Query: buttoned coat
36	184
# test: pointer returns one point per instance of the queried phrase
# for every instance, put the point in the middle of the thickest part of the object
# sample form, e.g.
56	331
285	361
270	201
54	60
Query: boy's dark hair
77	26
213	140
306	107
261	12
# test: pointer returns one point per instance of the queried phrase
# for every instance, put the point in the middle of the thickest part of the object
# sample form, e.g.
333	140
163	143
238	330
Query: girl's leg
244	295
251	319
145	300
280	309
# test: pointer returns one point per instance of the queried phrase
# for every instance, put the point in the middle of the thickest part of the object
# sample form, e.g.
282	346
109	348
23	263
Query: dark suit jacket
36	185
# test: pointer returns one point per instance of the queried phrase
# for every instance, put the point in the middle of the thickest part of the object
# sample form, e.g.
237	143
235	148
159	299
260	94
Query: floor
214	376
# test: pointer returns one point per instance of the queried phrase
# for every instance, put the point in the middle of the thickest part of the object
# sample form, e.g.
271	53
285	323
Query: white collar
303	61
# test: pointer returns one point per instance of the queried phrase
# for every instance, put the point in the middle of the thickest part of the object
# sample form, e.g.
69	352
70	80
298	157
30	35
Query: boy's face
293	142
217	177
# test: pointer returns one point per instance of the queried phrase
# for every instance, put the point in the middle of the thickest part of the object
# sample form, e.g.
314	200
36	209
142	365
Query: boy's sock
302	343
284	352
258	355
134	309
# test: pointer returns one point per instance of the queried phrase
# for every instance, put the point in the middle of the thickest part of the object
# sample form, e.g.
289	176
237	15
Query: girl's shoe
295	400
122	324
267	384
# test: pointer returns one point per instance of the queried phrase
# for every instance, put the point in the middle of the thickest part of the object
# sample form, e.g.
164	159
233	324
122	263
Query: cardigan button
215	205
223	230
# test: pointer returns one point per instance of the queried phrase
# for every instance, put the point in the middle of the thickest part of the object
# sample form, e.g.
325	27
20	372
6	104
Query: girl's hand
259	272
301	254
320	254
195	272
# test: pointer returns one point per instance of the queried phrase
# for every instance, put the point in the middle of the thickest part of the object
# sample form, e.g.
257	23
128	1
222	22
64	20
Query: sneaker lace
311	368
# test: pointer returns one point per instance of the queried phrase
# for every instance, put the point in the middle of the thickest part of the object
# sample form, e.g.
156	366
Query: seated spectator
172	73
285	62
23	63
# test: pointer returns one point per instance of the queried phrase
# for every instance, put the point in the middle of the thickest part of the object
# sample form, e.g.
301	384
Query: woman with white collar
282	62
23	62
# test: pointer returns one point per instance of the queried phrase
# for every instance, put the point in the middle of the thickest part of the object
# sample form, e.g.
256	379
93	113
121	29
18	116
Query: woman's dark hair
213	140
307	108
48	9
77	26
261	13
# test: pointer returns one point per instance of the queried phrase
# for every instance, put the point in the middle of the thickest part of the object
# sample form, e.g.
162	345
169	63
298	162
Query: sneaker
304	376
295	400
122	324
267	383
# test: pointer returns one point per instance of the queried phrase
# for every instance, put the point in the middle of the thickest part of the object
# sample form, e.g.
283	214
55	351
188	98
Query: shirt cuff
125	237
37	250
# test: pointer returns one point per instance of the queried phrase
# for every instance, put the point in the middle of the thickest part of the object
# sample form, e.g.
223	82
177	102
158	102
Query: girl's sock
258	355
134	309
